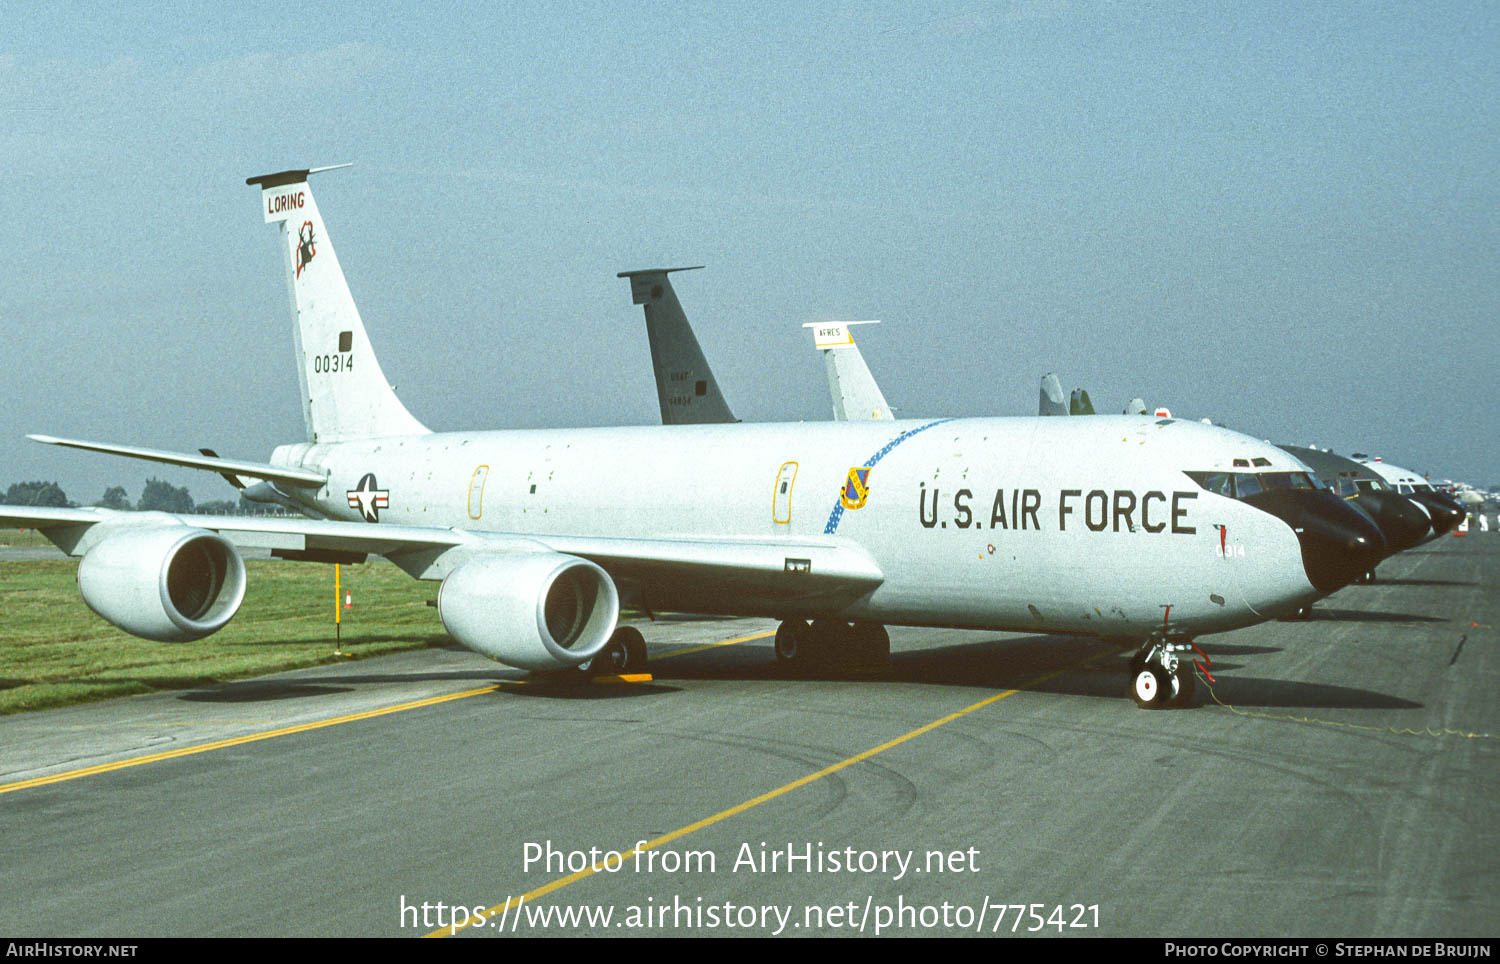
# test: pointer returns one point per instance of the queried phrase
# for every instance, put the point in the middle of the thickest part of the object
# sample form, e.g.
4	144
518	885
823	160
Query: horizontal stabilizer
834	334
643	281
257	470
282	178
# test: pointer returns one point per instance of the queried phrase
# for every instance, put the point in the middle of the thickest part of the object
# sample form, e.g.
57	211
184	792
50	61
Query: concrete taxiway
1341	778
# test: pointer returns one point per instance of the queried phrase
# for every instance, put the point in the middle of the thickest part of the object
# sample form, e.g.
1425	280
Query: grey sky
1281	216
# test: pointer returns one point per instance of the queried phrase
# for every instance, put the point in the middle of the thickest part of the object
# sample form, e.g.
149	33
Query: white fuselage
1084	525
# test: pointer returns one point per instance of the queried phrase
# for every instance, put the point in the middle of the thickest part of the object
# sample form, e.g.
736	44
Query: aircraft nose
1446	512
1339	543
1402	523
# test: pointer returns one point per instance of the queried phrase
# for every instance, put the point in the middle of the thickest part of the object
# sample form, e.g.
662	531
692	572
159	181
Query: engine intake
541	610
171	583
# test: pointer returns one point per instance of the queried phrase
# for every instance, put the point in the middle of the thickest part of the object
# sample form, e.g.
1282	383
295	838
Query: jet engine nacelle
171	583
541	610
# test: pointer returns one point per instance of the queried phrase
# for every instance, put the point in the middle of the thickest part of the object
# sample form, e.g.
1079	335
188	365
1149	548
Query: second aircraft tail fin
685	386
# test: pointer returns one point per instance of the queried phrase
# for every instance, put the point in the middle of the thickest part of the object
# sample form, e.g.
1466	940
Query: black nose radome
1339	543
1446	513
1402	523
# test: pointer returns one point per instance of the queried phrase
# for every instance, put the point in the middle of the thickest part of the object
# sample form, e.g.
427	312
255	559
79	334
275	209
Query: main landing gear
1161	674
827	644
624	653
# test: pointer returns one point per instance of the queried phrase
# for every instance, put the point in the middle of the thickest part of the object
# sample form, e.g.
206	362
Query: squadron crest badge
306	246
856	488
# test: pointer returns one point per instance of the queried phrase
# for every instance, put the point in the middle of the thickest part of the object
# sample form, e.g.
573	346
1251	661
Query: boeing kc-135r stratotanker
1096	526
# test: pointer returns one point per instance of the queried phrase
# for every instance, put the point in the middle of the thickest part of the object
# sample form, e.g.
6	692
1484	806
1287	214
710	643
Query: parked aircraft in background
1445	511
856	397
686	388
1051	402
1403	521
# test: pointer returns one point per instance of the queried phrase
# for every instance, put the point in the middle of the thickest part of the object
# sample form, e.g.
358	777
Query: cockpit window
1285	480
1239	485
1219	483
1260	463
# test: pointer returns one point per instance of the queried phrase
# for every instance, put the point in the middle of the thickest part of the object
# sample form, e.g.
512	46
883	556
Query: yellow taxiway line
320	724
238	740
561	882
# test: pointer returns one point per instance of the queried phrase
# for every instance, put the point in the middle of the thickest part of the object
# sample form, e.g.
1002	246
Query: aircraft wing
300	478
814	565
779	568
67	528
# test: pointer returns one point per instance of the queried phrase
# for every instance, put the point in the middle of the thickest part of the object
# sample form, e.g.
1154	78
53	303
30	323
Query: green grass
55	651
22	537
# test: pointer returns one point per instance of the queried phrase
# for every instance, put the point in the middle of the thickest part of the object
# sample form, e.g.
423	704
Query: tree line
156	495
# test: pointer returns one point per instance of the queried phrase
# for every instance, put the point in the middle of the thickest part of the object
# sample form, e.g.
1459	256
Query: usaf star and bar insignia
368	499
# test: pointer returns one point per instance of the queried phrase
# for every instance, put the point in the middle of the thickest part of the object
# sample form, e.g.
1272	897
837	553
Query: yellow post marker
338	628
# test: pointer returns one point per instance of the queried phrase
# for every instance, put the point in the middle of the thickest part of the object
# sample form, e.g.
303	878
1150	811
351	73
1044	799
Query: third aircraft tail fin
856	397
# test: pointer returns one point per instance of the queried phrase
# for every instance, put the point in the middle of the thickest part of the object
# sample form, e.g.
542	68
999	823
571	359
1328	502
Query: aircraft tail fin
856	397
1052	397
1079	404
345	394
685	386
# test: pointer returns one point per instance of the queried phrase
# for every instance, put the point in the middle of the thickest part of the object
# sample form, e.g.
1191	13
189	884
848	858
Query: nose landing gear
1161	674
